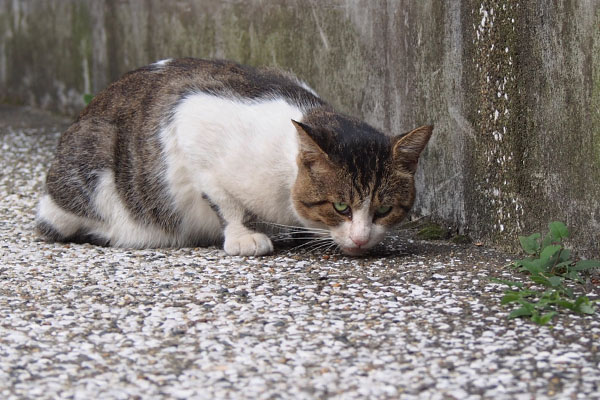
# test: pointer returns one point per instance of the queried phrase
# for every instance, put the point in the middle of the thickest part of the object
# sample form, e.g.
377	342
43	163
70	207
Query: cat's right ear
310	151
407	148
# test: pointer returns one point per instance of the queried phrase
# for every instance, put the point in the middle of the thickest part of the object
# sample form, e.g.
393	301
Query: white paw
250	244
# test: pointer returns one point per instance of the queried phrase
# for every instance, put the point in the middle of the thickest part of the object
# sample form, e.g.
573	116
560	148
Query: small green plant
432	231
87	98
549	266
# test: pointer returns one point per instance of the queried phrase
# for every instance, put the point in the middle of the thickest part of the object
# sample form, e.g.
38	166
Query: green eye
382	210
342	208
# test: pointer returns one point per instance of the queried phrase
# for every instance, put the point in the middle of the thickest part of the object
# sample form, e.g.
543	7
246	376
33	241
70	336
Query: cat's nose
359	241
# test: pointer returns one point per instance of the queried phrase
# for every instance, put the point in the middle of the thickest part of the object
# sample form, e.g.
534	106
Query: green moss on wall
79	41
319	44
179	30
594	60
49	52
494	156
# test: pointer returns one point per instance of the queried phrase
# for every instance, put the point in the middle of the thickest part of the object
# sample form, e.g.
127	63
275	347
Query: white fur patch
117	223
241	154
162	63
62	221
305	86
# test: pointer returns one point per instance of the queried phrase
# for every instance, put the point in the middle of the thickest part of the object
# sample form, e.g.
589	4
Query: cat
187	152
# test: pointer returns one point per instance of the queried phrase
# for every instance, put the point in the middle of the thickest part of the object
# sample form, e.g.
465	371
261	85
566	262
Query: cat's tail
54	224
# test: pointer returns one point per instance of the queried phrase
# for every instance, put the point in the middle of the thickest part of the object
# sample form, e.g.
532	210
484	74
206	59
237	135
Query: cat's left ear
407	148
310	142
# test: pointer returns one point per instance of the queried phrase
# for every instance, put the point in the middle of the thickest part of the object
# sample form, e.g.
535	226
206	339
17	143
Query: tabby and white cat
186	152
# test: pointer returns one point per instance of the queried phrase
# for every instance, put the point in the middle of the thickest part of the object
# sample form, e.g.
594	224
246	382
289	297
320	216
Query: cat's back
151	92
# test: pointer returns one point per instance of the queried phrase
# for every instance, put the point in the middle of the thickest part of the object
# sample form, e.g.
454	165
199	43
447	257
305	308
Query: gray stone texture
414	320
513	87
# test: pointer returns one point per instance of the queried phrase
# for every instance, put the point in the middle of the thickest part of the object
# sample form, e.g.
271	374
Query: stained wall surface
513	87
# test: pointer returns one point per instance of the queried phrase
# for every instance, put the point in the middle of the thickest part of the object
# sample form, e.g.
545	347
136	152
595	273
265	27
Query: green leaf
565	255
549	251
532	266
544	319
549	297
528	293
574	276
540	280
564	263
548	239
510	297
565	304
558	230
587	309
583	305
520	312
518	263
584	265
530	243
555	281
568	291
87	98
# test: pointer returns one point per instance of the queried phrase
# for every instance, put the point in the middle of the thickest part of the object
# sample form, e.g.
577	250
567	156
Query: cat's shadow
394	247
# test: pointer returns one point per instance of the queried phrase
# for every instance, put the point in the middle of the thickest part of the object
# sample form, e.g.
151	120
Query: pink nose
359	241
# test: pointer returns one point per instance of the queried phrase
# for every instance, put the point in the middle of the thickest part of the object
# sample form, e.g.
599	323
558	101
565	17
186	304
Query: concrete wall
513	87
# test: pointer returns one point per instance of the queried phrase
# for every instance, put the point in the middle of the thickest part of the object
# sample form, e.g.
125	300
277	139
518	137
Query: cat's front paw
251	244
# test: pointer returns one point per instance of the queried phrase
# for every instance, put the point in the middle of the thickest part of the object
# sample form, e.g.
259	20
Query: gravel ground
415	320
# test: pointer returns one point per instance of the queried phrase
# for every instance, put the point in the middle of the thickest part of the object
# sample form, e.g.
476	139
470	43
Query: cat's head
354	181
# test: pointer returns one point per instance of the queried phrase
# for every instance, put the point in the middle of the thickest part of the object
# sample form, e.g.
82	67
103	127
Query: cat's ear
407	148
309	139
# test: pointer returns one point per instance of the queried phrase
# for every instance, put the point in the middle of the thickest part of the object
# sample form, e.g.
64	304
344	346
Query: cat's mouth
354	251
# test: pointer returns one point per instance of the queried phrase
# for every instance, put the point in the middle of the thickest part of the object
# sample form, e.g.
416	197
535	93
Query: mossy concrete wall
513	87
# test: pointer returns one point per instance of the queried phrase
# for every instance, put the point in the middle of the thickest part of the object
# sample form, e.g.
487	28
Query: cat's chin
354	251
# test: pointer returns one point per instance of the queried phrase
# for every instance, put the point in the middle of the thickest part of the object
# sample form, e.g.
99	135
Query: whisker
323	247
303	245
335	246
298	238
314	248
317	234
306	234
317	239
292	227
312	243
294	233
